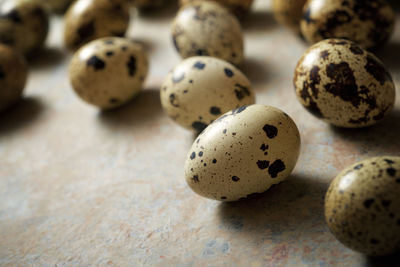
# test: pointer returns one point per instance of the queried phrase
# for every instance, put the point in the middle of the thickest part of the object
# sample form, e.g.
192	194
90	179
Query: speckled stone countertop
79	187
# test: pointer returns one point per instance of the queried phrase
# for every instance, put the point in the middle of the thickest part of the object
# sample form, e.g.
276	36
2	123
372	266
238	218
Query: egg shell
205	28
343	84
237	7
245	151
289	12
13	75
200	89
109	71
87	20
24	24
367	22
57	6
362	206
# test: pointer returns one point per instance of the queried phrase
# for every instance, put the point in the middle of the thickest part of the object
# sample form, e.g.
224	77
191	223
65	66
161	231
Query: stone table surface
80	187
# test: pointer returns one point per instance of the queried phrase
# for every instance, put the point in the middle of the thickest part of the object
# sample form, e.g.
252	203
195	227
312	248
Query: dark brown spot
386	203
324	54
215	110
199	126
241	91
355	49
173	100
223	198
96	63
200	153
391	171
276	167
214	161
263	164
264	147
228	72
195	179
377	70
193	155
368	203
131	64
270	130
199	65
235	178
359	166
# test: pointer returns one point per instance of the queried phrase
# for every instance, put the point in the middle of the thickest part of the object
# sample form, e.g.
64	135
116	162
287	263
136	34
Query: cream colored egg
362	206
108	72
370	23
205	28
237	7
289	12
200	89
24	24
13	75
87	20
245	151
343	84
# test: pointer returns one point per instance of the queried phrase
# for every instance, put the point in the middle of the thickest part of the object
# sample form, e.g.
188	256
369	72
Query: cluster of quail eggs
242	147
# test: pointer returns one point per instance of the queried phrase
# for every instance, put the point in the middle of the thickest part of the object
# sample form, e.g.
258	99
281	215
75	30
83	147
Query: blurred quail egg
343	84
289	12
108	72
200	89
237	7
13	75
204	28
24	24
245	151
369	23
87	20
362	206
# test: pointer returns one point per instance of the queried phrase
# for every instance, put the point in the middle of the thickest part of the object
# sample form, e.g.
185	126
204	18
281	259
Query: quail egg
13	75
200	89
237	7
289	12
109	71
87	20
369	22
24	24
362	206
245	151
343	84
205	28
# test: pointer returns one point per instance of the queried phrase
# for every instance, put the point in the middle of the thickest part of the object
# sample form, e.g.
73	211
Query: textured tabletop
81	187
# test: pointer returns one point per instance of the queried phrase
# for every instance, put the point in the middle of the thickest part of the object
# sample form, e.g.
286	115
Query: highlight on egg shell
108	72
245	151
362	206
205	28
341	83
199	89
370	23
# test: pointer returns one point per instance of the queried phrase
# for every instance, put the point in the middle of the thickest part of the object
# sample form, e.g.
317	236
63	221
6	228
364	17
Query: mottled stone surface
79	187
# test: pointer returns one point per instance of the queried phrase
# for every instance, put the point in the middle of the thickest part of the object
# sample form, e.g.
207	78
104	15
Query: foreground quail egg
57	6
362	206
204	28
108	72
289	12
245	151
343	84
200	89
369	23
13	75
87	20
24	25
237	7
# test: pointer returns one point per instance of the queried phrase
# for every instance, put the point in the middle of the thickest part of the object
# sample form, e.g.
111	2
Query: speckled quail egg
245	151
109	71
289	12
362	206
200	89
87	20
207	29
343	84
237	7
57	6
13	75
367	22
24	24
